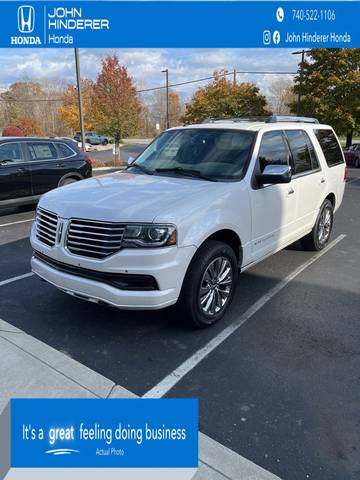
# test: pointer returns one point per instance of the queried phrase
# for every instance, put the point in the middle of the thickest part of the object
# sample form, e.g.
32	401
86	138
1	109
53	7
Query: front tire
319	236
209	284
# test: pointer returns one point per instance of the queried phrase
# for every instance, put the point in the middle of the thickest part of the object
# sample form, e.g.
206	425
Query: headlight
151	235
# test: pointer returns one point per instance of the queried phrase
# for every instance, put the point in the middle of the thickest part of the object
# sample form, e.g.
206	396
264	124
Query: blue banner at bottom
92	433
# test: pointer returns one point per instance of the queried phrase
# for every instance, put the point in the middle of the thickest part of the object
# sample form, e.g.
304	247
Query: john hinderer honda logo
26	19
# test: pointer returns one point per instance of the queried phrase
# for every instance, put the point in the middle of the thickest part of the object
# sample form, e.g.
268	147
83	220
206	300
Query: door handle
60	165
322	180
291	191
21	170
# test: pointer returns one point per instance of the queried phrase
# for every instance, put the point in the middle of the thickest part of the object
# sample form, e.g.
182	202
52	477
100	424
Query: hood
123	197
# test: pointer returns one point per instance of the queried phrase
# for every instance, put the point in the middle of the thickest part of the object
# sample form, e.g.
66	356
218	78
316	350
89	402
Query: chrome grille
90	238
46	226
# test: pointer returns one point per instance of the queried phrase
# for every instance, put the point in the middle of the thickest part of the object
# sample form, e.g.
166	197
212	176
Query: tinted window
64	150
330	147
273	150
314	159
11	153
302	151
42	151
217	153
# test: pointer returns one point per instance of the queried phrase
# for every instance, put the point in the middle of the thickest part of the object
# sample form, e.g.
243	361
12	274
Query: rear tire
66	181
209	284
357	163
319	236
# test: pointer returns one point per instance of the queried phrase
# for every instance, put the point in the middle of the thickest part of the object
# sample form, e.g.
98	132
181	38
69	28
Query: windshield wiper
186	171
140	167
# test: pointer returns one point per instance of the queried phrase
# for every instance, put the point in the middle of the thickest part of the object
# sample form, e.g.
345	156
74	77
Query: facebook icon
276	37
26	19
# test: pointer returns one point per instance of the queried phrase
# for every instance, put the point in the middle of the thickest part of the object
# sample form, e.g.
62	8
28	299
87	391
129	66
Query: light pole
166	71
78	83
302	53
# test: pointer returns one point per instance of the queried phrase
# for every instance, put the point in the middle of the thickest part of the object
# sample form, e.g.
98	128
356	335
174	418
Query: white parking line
15	223
174	377
15	279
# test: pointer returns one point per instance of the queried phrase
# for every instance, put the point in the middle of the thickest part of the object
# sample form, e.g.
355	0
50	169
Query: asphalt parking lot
126	151
278	380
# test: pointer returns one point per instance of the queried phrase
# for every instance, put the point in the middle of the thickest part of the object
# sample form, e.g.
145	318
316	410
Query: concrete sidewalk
30	368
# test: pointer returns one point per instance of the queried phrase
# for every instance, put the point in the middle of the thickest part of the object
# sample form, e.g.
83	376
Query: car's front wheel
319	236
209	284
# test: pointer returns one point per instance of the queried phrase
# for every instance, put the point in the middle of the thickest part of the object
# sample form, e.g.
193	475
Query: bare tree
281	96
155	110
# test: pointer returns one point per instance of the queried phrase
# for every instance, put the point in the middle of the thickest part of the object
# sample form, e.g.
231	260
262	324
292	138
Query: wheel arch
231	238
74	175
332	198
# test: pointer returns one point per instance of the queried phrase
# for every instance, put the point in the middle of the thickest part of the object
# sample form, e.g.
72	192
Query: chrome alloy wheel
215	286
325	224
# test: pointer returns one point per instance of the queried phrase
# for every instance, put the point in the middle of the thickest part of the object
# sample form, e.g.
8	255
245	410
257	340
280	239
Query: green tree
116	106
224	98
331	88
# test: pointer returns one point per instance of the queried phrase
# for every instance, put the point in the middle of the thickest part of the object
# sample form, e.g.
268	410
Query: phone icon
280	14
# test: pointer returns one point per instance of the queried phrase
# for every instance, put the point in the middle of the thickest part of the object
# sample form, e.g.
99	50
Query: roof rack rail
234	119
271	119
290	119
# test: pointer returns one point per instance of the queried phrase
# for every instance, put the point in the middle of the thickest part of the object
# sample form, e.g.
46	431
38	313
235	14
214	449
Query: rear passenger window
330	147
64	150
273	150
302	151
42	151
10	153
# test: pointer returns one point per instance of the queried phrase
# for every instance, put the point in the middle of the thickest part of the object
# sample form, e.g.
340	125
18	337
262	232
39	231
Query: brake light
88	160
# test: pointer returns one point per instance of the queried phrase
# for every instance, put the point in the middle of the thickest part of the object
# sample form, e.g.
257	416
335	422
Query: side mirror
130	161
273	174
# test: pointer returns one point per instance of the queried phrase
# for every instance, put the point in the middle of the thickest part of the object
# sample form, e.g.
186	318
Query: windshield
210	154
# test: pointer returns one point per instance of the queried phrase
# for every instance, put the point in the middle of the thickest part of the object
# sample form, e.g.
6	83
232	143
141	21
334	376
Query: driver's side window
273	150
11	153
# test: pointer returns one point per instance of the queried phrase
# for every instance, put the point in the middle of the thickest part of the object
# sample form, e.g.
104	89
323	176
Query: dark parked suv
30	167
352	155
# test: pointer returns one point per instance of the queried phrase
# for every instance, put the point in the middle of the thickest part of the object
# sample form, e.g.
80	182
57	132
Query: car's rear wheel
357	163
105	142
319	236
209	284
67	181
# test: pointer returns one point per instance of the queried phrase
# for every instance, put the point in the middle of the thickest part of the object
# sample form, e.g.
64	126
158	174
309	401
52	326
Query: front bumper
166	265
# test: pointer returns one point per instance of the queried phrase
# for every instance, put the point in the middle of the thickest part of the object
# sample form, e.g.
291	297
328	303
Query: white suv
201	204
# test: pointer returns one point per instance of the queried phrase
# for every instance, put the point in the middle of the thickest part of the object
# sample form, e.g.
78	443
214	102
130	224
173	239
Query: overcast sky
145	65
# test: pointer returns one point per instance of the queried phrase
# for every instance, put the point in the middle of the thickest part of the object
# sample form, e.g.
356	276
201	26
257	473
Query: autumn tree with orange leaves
116	106
23	127
69	110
